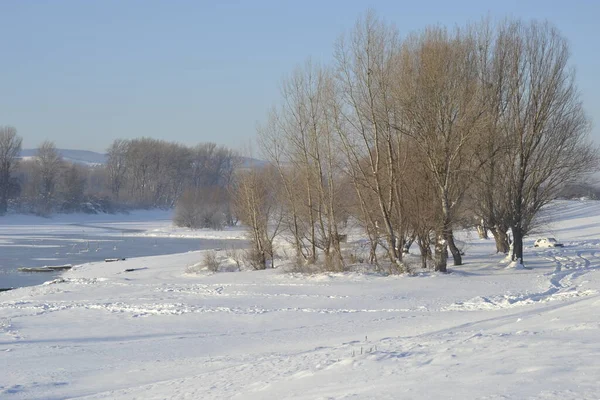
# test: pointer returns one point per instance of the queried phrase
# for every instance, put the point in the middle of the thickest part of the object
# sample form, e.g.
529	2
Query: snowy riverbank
483	331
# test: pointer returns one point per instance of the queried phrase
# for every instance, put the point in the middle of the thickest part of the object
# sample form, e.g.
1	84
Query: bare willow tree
443	114
300	116
366	63
544	123
298	140
422	204
10	148
275	151
258	207
488	195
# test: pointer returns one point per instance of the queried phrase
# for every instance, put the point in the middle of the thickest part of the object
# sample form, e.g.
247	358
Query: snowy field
484	331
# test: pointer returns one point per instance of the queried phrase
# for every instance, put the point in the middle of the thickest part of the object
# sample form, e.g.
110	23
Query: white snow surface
153	223
484	331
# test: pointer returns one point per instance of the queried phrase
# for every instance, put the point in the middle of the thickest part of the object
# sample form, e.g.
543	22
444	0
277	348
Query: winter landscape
170	330
299	200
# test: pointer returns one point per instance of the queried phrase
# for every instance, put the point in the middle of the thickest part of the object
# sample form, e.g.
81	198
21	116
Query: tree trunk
407	243
399	250
3	203
4	188
482	231
441	254
425	252
297	240
453	249
445	238
262	260
501	238
373	253
517	244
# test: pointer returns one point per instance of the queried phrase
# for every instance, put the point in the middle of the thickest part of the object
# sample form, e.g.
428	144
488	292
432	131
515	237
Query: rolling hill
92	158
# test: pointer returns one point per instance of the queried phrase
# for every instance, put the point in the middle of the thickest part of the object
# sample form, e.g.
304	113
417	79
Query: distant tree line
139	173
415	138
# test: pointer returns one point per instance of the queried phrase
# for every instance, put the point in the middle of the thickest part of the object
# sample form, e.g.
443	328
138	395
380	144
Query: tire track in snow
149	309
569	267
220	290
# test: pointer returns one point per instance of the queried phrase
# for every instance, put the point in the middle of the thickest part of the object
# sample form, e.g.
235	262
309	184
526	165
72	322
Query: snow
151	223
488	330
84	157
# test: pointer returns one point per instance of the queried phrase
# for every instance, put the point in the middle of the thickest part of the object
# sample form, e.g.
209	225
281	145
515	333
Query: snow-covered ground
154	223
485	331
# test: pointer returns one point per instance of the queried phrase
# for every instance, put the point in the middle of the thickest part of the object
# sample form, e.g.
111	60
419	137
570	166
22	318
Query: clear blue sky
83	73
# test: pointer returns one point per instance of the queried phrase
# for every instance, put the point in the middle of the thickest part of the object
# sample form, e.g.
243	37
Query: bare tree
202	208
171	173
48	163
10	147
443	114
422	203
544	123
72	187
258	207
299	140
488	200
141	165
116	164
366	70
212	165
275	151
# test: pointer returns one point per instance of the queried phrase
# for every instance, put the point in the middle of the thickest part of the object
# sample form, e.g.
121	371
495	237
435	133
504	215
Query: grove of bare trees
139	173
415	138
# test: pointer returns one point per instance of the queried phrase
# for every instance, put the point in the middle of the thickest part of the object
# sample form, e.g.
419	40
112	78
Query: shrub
201	208
211	261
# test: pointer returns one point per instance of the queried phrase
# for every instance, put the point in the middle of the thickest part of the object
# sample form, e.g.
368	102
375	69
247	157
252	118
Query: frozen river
54	245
